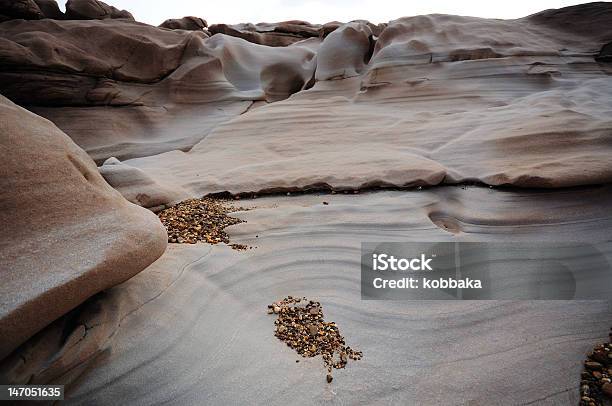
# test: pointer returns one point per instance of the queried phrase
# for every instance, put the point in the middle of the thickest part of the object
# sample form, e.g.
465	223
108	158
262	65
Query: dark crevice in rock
368	55
324	188
605	55
311	82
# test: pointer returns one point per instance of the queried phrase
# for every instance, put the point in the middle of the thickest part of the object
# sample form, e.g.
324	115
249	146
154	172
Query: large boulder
93	10
50	9
25	9
66	234
186	23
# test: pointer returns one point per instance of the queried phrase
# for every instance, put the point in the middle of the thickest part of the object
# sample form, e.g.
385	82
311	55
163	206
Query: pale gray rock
209	334
137	187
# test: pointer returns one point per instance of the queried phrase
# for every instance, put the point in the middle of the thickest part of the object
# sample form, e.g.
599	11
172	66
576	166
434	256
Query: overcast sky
321	11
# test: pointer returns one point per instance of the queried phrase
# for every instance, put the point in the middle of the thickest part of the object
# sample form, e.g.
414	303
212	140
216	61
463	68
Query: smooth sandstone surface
66	234
137	187
206	338
62	352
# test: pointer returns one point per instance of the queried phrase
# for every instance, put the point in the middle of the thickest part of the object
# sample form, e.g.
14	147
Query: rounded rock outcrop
24	9
189	23
50	9
67	234
93	10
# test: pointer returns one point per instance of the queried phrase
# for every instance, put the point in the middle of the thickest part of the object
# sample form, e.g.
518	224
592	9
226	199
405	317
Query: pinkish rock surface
66	234
172	112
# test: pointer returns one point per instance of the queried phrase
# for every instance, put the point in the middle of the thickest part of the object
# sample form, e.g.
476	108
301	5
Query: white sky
320	11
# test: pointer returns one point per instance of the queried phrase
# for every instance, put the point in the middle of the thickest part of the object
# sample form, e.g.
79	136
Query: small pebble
593	365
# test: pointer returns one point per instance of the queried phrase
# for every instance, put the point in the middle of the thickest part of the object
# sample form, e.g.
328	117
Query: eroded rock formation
139	188
93	10
261	108
185	23
26	9
274	35
387	96
433	99
67	234
167	88
50	9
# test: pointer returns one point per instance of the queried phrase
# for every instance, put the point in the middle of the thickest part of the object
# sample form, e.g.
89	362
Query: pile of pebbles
301	326
203	220
596	378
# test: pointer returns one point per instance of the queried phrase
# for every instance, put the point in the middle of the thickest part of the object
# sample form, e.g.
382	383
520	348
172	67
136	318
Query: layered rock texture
209	339
421	101
434	99
146	90
185	109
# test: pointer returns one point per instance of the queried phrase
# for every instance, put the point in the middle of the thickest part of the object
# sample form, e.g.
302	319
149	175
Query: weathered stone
26	9
66	234
606	388
93	10
50	9
186	23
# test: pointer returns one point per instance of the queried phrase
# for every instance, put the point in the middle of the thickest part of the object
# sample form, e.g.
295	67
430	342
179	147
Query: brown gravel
596	378
203	220
301	326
